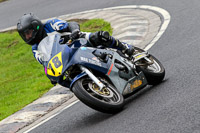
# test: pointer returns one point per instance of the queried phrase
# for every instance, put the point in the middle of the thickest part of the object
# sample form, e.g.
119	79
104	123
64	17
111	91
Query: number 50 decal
55	65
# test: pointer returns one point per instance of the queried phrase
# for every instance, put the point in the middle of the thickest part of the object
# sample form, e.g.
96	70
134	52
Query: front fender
77	78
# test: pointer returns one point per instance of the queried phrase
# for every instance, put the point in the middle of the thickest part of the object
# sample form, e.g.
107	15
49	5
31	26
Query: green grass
95	25
22	78
2	0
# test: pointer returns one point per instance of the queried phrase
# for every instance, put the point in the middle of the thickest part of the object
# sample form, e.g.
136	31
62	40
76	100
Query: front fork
93	77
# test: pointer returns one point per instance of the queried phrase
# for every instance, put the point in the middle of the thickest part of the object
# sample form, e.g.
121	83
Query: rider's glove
104	36
75	34
37	56
126	49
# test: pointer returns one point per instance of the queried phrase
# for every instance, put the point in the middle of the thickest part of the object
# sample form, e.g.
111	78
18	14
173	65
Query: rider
32	31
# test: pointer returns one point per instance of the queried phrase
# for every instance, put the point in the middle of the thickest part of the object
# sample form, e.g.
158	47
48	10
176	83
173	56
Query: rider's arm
72	26
60	26
36	54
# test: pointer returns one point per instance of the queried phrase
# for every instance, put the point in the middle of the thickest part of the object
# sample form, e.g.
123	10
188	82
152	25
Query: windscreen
46	45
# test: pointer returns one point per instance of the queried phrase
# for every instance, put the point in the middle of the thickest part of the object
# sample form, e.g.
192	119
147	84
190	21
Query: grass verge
2	0
22	78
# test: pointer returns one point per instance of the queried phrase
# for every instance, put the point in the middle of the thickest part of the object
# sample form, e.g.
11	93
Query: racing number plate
55	65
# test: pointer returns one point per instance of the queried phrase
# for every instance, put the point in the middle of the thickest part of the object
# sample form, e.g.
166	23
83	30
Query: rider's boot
124	47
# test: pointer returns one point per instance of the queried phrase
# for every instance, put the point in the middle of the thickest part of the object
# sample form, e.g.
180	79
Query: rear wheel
152	68
154	73
107	100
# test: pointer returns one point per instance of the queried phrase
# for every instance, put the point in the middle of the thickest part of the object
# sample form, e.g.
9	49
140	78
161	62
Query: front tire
108	100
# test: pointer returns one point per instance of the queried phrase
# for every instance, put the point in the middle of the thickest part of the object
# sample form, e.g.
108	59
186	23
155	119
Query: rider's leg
103	38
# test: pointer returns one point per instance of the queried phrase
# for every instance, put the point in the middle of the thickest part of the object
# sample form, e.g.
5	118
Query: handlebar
71	39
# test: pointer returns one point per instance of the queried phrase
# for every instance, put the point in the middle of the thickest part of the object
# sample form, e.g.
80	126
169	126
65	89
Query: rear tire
153	76
107	101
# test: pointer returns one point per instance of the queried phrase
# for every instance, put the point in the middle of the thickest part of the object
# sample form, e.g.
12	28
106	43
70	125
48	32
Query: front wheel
154	72
107	100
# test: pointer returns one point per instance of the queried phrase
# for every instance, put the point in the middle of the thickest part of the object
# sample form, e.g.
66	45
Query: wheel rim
150	65
107	94
155	67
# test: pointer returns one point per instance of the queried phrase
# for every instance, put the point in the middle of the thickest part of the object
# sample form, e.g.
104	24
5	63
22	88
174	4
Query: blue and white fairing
57	58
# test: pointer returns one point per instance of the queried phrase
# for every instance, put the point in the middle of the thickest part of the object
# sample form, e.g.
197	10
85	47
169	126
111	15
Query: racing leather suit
56	26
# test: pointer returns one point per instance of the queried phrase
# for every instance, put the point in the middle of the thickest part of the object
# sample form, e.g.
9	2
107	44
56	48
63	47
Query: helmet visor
28	35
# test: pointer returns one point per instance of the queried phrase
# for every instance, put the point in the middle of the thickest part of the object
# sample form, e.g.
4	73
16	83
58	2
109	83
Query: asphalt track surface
172	106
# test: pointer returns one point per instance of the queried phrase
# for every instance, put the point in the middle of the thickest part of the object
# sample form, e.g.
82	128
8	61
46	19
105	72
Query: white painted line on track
140	23
130	33
51	116
166	18
117	16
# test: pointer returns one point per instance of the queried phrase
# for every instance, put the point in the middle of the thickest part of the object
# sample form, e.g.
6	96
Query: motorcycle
100	78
